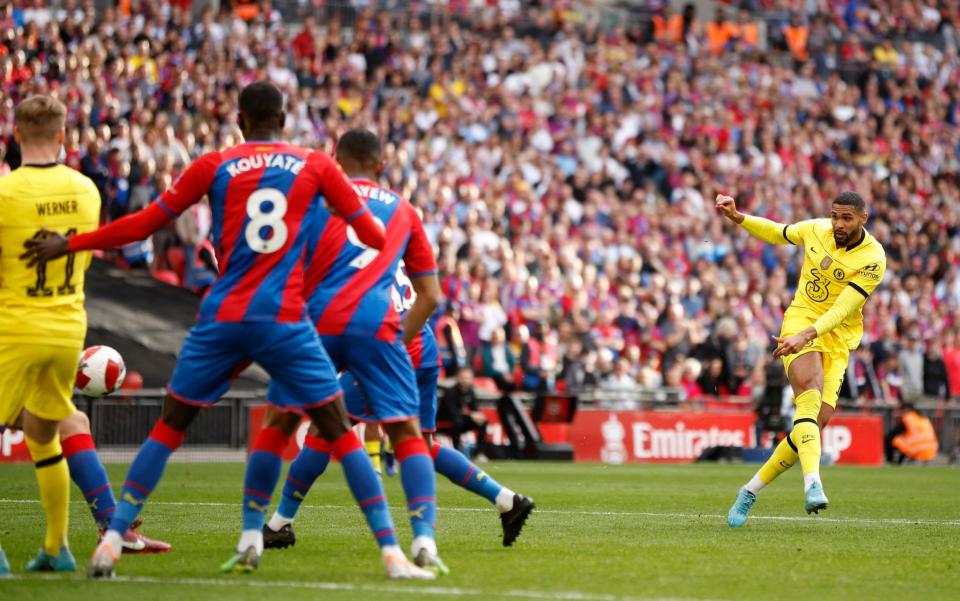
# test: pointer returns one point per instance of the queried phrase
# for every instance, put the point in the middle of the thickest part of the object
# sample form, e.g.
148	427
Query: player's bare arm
427	289
47	247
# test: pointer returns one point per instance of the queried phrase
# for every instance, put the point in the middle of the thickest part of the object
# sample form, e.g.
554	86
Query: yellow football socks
782	459
806	431
373	449
53	476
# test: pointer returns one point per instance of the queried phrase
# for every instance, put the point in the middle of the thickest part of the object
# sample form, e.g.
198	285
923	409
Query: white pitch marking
370	588
652	514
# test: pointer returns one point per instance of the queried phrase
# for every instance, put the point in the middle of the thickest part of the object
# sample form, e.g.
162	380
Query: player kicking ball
261	193
842	265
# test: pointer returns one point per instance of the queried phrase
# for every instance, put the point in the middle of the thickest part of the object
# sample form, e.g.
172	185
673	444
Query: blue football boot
815	499
4	564
740	511
63	562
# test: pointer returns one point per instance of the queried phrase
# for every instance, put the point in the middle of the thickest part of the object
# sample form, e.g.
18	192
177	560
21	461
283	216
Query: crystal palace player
353	301
260	193
514	508
842	265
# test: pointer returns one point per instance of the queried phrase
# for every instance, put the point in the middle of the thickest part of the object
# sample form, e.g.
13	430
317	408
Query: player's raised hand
728	207
45	247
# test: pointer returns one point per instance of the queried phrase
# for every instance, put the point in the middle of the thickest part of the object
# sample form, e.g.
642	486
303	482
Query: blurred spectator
453	352
498	360
458	411
951	360
911	362
719	32
620	388
934	371
797	34
861	383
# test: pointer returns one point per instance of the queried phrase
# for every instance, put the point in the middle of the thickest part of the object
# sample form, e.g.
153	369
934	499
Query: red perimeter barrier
678	437
626	436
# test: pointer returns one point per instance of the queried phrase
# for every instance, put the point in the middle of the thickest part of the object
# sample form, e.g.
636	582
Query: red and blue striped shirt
351	288
261	195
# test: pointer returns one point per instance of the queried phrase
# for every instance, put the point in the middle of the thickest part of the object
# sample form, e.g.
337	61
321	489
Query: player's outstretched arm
766	230
186	191
125	230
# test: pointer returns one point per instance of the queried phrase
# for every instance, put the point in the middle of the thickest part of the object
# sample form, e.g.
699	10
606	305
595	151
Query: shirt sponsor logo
870	271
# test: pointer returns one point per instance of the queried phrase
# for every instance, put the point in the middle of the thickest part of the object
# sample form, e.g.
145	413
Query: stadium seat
177	261
167	276
485	384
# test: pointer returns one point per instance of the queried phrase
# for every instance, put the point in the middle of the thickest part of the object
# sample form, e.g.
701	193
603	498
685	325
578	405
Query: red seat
485	384
133	381
177	260
167	276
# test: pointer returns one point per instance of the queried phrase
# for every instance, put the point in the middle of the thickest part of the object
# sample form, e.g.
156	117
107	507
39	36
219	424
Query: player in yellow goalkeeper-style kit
42	320
842	265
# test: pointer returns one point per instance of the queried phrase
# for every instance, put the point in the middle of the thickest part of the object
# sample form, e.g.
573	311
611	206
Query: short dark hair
907	407
261	102
851	199
361	145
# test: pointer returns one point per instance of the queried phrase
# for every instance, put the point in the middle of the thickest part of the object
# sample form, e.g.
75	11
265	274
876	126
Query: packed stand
566	172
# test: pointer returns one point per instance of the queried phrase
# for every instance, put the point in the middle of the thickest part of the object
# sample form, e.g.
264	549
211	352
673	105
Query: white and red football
101	371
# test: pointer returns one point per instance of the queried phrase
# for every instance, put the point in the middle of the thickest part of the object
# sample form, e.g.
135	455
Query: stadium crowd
566	171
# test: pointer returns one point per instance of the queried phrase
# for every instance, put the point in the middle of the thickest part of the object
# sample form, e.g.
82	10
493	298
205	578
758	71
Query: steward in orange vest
913	437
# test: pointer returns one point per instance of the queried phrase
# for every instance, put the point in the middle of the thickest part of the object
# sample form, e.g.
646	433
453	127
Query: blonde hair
40	118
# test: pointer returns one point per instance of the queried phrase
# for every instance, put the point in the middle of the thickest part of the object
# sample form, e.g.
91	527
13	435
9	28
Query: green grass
602	533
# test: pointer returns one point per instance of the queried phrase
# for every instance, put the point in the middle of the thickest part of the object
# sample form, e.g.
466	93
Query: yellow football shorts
833	350
38	378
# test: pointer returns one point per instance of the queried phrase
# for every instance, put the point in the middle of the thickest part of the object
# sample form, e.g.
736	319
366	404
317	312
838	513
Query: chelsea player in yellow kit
842	265
42	319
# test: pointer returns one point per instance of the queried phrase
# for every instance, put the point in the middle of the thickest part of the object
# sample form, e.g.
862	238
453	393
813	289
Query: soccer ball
101	371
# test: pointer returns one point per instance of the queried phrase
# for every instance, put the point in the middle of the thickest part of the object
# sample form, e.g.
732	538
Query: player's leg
142	477
53	478
85	468
374	445
264	467
310	463
88	473
784	454
514	508
419	487
386	375
263	470
295	358
333	428
209	359
806	375
52	375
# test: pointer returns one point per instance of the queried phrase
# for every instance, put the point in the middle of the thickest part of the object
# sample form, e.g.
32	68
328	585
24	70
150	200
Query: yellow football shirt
827	270
44	304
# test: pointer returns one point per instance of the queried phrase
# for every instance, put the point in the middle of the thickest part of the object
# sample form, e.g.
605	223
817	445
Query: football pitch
601	533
